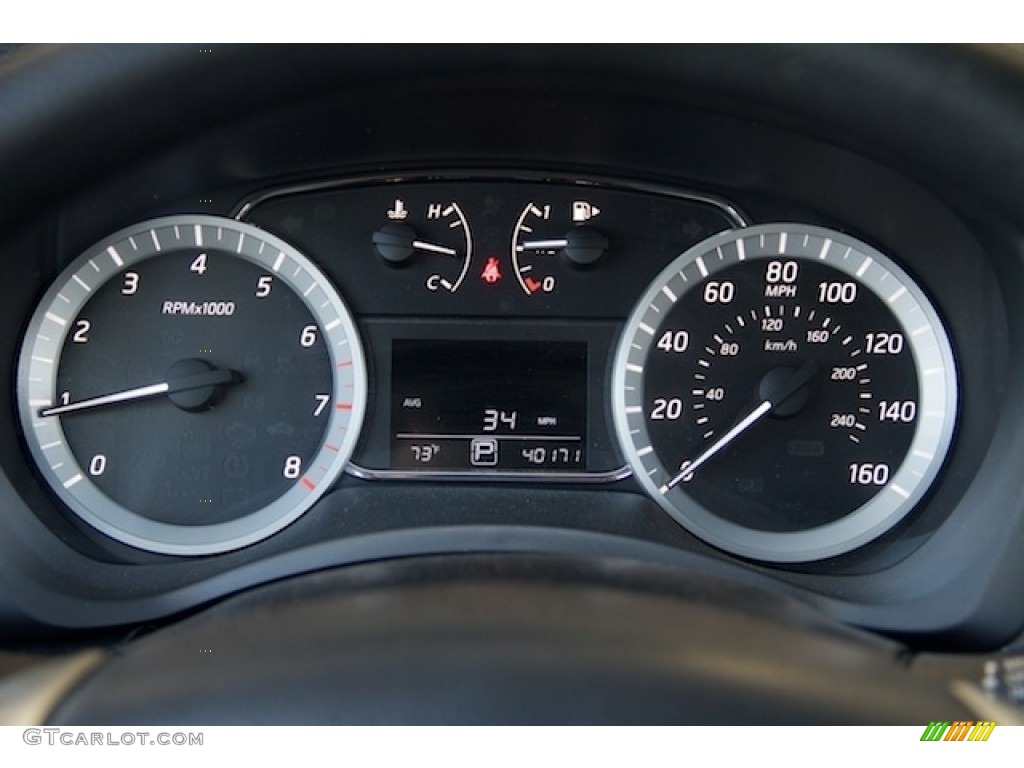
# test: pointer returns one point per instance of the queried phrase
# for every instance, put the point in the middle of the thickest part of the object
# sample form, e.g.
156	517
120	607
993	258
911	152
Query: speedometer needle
771	400
212	377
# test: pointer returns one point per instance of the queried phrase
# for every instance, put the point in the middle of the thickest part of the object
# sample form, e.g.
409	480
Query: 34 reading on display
489	405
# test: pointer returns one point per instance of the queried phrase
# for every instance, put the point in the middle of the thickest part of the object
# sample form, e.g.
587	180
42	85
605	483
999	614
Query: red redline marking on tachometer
308	483
346	363
330	447
344	406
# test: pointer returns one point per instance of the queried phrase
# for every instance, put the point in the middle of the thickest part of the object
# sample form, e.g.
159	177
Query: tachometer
786	392
191	385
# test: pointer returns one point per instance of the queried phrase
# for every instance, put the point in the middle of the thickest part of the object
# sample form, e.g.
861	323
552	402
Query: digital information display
489	406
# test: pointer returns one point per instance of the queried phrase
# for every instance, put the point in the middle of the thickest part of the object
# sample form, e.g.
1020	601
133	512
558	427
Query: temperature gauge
547	236
434	236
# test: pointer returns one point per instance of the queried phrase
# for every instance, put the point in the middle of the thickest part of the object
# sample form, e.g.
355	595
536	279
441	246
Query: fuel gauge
436	233
548	236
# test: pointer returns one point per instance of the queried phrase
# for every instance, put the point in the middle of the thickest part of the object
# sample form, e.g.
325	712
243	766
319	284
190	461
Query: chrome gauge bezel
933	360
40	360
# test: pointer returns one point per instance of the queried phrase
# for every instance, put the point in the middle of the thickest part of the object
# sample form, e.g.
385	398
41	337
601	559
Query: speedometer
191	385
786	392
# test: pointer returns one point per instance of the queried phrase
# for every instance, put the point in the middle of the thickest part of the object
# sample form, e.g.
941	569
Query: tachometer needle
208	378
771	400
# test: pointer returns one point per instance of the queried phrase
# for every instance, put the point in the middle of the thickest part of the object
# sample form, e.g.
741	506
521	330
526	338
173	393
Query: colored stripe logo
960	730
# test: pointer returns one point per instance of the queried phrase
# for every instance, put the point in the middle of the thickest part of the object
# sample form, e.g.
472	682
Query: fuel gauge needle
189	381
582	245
772	400
542	245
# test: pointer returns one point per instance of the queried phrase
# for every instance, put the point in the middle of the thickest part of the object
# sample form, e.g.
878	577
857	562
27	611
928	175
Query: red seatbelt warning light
492	271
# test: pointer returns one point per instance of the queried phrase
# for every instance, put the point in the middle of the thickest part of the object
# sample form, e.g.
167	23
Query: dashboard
653	319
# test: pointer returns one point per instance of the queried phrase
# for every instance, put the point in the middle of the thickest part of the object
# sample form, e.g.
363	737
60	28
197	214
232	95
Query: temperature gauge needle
397	243
431	248
772	399
186	376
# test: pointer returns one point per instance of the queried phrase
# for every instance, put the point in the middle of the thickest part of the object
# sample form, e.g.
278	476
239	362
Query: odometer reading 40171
785	392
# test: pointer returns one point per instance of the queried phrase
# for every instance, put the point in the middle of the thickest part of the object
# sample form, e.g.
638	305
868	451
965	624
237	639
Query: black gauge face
774	481
191	385
785	391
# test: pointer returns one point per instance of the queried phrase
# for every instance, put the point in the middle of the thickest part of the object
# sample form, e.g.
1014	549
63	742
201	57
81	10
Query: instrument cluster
193	384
